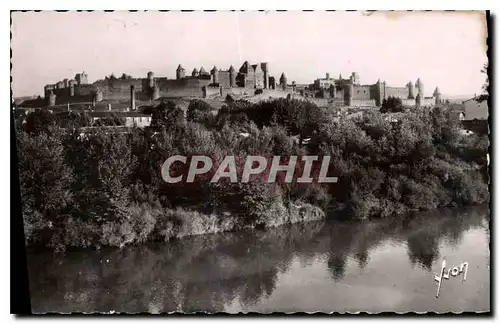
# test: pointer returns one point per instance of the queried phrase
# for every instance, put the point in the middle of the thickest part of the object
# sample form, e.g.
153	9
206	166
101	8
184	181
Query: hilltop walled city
217	83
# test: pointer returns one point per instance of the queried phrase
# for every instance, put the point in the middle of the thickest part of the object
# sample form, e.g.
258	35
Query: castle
350	92
218	83
199	83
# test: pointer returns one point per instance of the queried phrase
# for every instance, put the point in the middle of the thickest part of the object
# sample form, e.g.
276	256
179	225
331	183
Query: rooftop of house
117	113
479	98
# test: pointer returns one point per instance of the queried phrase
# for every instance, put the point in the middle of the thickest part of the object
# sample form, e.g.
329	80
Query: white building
131	118
476	108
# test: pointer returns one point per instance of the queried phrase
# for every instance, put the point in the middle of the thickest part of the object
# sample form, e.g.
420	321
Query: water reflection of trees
427	230
208	273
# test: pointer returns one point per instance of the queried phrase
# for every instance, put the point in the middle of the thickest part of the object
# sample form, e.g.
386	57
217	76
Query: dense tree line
103	188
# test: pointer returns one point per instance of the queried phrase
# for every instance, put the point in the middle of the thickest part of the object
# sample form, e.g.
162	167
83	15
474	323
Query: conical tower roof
231	69
283	76
214	69
195	71
179	68
437	91
202	70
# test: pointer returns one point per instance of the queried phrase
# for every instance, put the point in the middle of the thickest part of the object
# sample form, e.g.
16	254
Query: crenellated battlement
354	93
78	89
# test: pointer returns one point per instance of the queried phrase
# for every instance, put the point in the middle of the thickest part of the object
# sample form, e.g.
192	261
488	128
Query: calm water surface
376	266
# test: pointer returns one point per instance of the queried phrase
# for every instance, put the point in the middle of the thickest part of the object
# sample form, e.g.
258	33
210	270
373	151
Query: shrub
391	104
166	114
198	111
106	189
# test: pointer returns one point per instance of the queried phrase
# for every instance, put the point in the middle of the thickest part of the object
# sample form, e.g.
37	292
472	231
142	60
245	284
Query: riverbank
380	265
106	189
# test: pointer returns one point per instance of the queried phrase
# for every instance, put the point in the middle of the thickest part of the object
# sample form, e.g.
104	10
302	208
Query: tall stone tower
437	96
283	81
420	88
355	78
380	92
52	98
81	78
411	90
98	96
215	75
72	85
265	68
156	92
418	101
232	77
132	97
333	90
350	95
180	73
47	89
151	80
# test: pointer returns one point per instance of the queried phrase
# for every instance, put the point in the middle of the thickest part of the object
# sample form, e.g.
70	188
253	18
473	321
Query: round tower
333	90
47	89
151	80
52	99
98	96
437	96
380	95
156	93
195	72
232	77
420	88
350	95
283	81
411	90
180	72
418	100
215	75
132	97
355	78
265	68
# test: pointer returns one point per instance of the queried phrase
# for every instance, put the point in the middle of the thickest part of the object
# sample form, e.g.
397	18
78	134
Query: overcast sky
445	49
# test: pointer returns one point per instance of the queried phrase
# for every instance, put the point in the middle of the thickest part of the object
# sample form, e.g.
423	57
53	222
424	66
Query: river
327	266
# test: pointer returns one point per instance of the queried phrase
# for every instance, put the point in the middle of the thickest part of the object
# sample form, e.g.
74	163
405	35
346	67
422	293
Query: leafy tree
391	104
45	182
40	121
105	165
111	120
75	119
198	111
229	98
167	114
